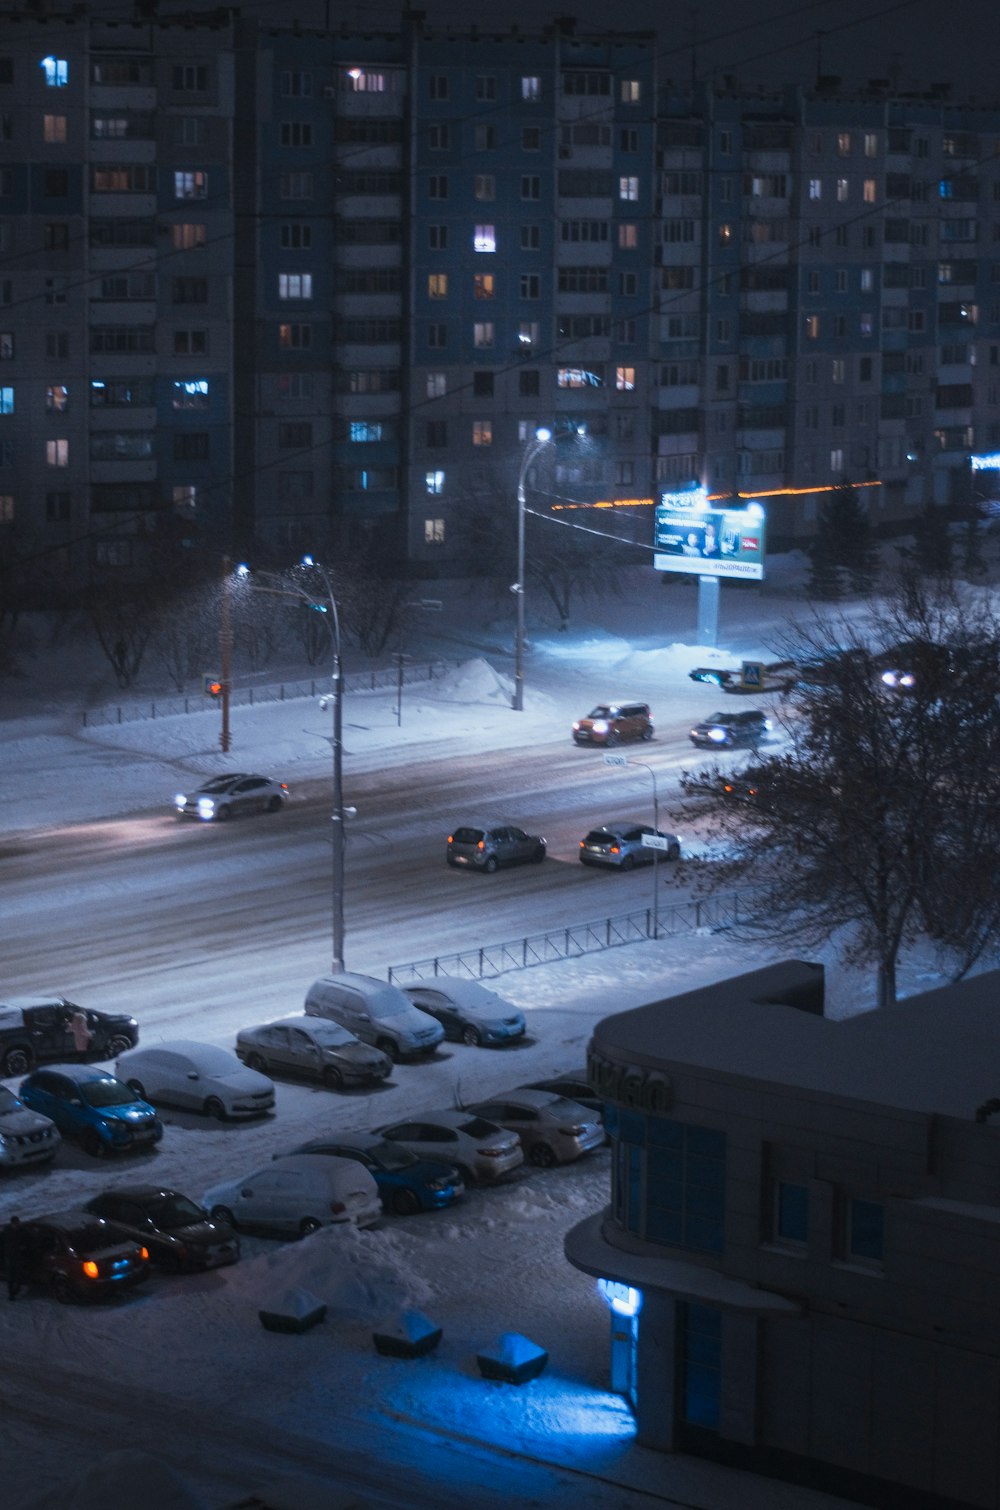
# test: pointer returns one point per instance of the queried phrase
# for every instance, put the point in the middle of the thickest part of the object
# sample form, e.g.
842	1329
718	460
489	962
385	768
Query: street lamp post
624	760
542	438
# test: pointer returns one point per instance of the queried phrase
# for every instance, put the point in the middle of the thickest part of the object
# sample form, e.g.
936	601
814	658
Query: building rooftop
934	1053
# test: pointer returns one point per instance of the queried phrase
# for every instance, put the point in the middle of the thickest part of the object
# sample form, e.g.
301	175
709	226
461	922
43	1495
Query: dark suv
75	1256
39	1029
722	731
609	722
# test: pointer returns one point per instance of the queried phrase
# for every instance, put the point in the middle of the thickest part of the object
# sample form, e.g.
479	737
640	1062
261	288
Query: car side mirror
75	1101
193	1075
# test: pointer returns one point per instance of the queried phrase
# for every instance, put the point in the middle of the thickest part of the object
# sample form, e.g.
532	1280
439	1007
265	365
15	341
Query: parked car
574	1085
231	796
90	1104
316	1047
76	1256
376	1012
481	1151
297	1193
609	723
26	1137
39	1029
552	1129
405	1183
468	1012
724	730
197	1077
179	1235
620	846
487	846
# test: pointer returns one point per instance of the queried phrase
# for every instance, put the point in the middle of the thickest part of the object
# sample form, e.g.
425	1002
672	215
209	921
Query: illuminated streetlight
542	438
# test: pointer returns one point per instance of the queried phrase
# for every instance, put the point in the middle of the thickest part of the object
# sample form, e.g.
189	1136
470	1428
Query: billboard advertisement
694	537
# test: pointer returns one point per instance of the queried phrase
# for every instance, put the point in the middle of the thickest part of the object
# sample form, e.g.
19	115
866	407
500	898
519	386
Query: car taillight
481	845
615	849
144	1254
284	786
573	1132
451	839
492	1153
337	1208
90	1269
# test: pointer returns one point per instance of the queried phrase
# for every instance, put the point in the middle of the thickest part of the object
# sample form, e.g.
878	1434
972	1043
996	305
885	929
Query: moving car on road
468	1012
297	1193
89	1104
316	1047
231	796
39	1029
405	1182
487	846
723	731
609	723
74	1255
482	1151
620	847
179	1235
197	1077
552	1129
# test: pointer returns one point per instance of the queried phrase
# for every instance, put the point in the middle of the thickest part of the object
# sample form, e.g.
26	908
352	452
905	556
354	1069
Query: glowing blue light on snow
622	1298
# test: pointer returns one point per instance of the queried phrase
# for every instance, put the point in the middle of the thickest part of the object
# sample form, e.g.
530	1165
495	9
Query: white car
298	1192
231	796
26	1137
196	1077
552	1128
481	1151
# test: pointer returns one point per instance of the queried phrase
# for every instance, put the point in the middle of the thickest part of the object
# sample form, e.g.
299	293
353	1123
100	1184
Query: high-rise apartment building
308	287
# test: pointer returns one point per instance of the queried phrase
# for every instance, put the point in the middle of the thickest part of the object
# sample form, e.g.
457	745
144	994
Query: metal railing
384	678
712	912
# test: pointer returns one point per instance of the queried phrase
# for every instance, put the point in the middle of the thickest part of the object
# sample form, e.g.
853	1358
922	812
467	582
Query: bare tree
885	796
123	624
185	639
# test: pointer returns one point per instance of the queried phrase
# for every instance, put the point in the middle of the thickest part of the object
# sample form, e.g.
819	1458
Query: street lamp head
543	434
242	570
308	561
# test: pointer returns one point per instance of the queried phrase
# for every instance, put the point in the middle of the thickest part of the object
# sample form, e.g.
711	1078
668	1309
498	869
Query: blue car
405	1183
88	1104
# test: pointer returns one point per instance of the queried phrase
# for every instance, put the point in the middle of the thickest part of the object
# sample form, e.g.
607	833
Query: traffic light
213	687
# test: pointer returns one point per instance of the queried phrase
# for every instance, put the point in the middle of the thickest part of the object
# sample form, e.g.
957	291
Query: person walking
14	1257
80	1029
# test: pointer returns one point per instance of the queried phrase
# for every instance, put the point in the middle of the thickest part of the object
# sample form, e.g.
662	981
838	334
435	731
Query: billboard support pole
708	610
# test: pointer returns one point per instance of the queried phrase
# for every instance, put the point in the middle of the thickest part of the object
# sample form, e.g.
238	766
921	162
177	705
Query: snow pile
338	1265
474	681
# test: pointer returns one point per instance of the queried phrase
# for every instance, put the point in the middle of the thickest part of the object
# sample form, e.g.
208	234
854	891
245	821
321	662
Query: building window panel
54	128
865	1234
484	186
437	285
482	432
531	88
484	238
483	286
57	453
434	482
433	531
628	187
483	333
191	183
56	398
56	72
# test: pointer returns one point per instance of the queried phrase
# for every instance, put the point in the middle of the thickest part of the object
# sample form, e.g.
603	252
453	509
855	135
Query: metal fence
578	939
384	678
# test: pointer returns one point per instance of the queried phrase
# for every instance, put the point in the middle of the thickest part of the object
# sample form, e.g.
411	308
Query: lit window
836	460
482	432
527	333
725	234
625	379
483	333
6	508
842	190
844	143
867	280
190	393
184	237
292	337
485	238
871	144
363	432
867	323
57	453
628	187
484	186
631	91
295	285
54	128
531	87
437	285
433	482
868	191
628	235
815	188
433	531
191	184
436	385
56	71
56	398
838	369
483	285
6	401
812	326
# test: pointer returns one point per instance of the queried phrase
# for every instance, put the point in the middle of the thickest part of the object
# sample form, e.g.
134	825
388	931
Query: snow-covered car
26	1137
179	1235
375	1011
620	846
316	1047
196	1077
480	1150
405	1183
230	797
468	1012
552	1129
297	1193
722	731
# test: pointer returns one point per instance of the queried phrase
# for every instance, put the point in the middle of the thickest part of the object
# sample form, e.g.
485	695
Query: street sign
753	674
655	841
616	760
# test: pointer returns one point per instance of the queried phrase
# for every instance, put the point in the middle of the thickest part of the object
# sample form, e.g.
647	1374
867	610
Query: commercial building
803	1237
321	286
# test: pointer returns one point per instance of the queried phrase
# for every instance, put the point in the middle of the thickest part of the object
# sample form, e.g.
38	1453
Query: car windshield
329	1034
601	711
388	1005
478	1127
8	1101
389	1156
106	1092
717	718
562	1107
170	1211
218	784
92	1236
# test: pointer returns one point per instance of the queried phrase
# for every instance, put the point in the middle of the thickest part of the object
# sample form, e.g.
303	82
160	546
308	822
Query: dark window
670	1181
294	435
437	432
56	236
56	183
528	384
865	1231
701	1364
791	1213
482	384
191	446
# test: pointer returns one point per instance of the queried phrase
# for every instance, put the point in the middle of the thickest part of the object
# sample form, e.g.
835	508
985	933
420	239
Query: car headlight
767	724
600	726
180	800
206	807
718	735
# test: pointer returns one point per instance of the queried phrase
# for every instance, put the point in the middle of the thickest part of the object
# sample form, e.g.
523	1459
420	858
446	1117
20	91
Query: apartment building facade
803	1233
314	287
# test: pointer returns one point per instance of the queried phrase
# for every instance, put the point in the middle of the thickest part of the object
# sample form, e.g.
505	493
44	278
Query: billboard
693	537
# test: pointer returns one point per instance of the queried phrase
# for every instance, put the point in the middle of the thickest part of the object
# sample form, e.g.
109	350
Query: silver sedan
312	1046
231	796
552	1129
479	1149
